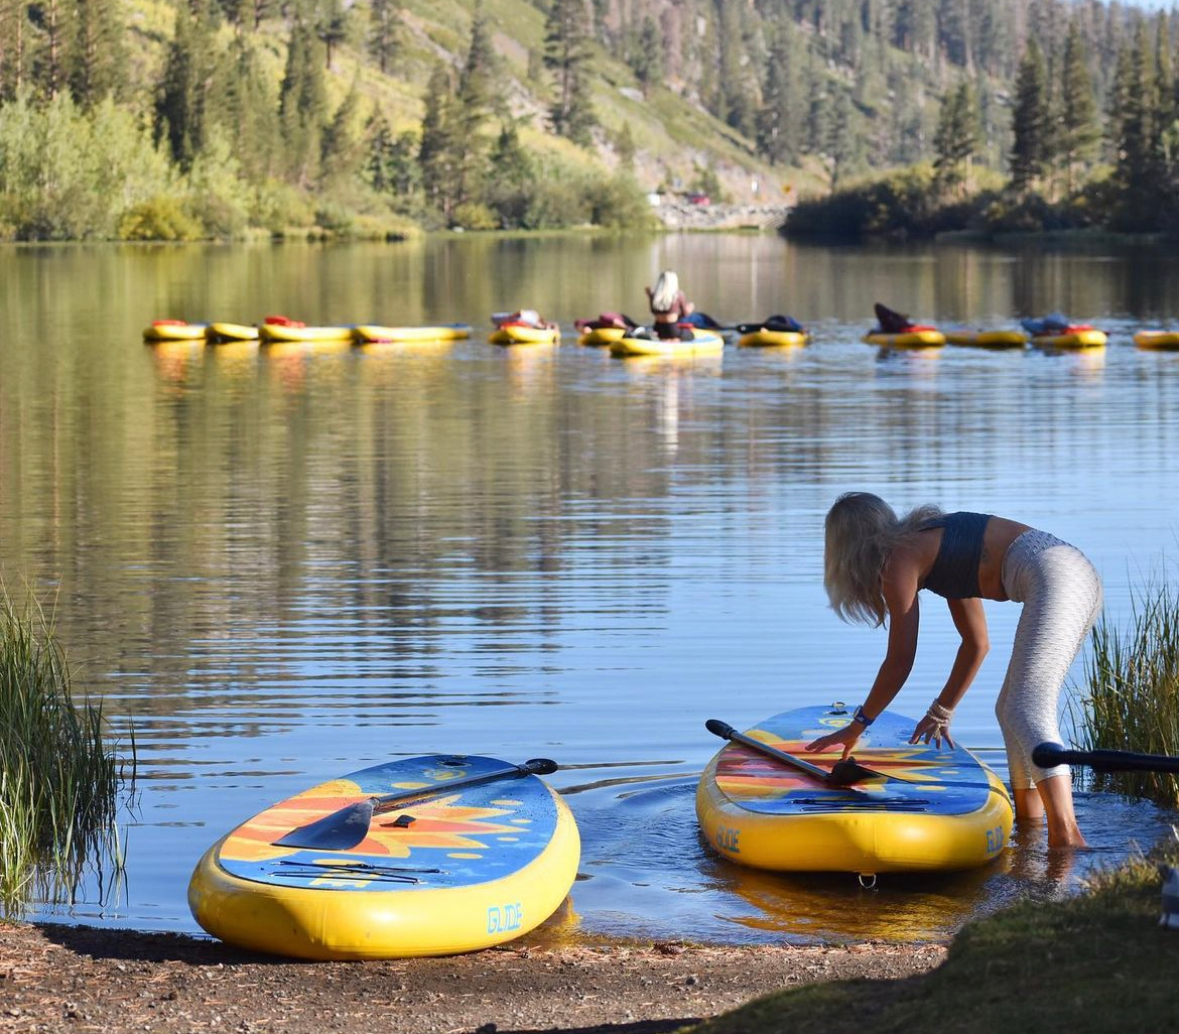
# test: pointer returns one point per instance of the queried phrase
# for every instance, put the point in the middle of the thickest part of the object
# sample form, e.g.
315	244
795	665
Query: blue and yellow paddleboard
452	870
930	809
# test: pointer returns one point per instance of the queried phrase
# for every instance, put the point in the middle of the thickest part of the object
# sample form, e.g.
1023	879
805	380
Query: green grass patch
1130	694
60	777
1090	964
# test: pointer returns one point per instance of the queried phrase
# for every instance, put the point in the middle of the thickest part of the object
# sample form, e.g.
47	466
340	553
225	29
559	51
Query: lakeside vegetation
183	119
60	775
1131	695
1088	964
1087	151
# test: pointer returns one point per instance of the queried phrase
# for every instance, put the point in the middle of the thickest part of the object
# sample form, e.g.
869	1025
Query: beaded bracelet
939	713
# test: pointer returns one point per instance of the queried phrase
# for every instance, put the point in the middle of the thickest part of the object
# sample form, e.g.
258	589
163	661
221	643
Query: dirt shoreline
81	979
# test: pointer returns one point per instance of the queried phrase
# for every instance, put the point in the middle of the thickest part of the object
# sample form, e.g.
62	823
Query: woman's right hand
847	737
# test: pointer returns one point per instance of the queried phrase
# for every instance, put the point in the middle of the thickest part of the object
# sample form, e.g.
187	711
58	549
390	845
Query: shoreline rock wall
681	215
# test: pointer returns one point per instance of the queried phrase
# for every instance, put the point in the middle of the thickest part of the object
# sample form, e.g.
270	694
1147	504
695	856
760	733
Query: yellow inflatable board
703	343
907	339
601	335
223	333
175	330
368	333
1158	340
928	810
480	853
521	335
1073	339
987	338
290	334
772	338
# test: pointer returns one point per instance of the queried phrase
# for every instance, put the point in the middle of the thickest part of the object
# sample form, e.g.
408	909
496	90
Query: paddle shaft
1046	755
727	732
347	827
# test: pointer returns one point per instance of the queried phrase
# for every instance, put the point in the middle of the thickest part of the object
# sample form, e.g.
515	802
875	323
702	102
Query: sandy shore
60	978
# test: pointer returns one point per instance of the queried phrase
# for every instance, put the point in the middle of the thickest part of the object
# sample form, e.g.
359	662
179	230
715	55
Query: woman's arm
971	622
904	618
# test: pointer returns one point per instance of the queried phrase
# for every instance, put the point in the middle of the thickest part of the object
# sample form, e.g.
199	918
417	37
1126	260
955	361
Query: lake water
287	564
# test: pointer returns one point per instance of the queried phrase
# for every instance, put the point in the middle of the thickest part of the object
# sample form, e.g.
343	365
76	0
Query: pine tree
331	27
956	139
302	103
1029	124
250	112
839	145
624	146
645	54
775	117
181	110
14	38
436	151
1079	132
566	55
95	61
475	100
384	39
509	190
341	155
1139	174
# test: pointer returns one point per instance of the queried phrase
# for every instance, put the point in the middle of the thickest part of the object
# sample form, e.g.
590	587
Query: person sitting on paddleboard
669	307
874	566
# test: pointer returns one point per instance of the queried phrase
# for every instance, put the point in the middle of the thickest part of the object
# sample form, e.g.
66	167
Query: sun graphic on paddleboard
464	831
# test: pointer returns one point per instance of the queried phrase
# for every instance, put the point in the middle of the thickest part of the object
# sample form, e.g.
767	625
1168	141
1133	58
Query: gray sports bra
954	574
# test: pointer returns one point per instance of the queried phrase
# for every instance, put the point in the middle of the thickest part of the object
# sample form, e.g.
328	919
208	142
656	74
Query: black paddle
349	826
843	774
1048	754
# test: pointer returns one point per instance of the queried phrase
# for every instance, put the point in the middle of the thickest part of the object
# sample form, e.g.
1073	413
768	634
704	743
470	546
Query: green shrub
159	219
474	215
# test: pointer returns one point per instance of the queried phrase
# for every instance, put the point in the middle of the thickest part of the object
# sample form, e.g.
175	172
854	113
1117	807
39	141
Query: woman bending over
876	564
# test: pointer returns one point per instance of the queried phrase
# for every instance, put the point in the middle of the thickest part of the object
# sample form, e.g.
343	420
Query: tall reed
1131	694
60	779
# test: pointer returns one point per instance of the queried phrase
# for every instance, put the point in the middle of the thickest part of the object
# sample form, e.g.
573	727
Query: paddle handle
727	732
1046	755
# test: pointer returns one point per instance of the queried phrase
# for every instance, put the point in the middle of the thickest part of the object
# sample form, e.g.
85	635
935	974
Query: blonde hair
861	531
666	288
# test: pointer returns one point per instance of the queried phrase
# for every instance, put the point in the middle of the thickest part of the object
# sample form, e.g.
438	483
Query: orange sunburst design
743	772
438	823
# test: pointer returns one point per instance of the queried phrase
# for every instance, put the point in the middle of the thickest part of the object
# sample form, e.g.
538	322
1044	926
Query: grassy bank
1130	694
1094	963
60	777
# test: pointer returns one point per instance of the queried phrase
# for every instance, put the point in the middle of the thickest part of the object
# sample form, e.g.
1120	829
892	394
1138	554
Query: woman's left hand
847	737
930	728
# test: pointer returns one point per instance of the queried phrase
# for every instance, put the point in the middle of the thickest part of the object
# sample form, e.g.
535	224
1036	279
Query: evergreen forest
191	119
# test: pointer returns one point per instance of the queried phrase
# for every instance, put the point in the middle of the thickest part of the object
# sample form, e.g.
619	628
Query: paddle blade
847	771
338	831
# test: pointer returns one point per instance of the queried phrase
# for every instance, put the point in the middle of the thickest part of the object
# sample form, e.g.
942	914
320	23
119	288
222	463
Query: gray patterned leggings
1061	596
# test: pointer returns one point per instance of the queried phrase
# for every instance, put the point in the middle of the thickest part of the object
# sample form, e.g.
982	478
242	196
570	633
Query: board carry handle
851	774
347	827
1047	755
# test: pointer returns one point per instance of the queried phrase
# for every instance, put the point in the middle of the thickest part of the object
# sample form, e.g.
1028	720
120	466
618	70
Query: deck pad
471	835
940	781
